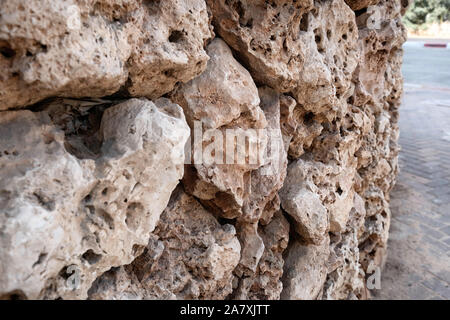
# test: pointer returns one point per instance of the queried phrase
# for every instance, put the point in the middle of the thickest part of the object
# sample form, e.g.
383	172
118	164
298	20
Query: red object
436	45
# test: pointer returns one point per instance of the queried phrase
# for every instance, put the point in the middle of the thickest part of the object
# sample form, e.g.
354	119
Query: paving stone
420	292
439	286
446	230
436	234
418	263
447	241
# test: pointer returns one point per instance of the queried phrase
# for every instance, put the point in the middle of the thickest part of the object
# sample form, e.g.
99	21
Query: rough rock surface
80	48
197	149
305	270
360	4
87	209
190	256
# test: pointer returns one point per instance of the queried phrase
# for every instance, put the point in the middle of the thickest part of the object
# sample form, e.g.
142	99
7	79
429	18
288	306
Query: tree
427	11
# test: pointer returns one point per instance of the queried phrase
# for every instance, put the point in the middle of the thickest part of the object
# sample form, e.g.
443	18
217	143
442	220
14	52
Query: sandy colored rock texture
103	194
65	205
81	48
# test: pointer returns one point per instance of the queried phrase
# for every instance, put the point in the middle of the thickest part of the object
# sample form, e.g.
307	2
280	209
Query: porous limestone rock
222	99
168	45
310	216
264	282
378	95
80	48
360	4
318	197
190	256
269	178
305	270
299	127
308	48
354	157
345	278
223	93
90	195
63	208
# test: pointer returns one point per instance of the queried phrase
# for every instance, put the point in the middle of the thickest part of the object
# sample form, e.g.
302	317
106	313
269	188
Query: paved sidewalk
418	264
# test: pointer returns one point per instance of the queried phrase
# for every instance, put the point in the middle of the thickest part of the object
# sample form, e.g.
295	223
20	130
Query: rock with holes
379	44
92	49
224	94
319	197
308	212
268	179
305	270
266	34
71	211
292	112
304	47
346	278
378	96
169	45
358	4
222	108
264	283
299	127
190	256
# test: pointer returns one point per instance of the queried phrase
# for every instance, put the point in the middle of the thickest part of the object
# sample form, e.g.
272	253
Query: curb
430	44
435	45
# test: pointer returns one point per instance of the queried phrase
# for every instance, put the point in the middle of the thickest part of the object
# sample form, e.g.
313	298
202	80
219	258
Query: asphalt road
426	66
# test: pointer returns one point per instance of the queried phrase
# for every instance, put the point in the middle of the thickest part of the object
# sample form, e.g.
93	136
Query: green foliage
423	12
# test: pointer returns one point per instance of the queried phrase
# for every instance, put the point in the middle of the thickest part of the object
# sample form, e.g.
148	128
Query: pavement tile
420	292
434	233
445	230
421	202
438	286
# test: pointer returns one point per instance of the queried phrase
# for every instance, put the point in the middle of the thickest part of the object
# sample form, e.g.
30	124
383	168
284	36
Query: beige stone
223	97
169	45
62	210
308	212
358	4
190	256
305	270
269	178
265	281
346	278
307	48
86	49
90	195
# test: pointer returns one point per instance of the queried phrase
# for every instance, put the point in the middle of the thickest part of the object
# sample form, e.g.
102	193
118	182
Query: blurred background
428	18
418	263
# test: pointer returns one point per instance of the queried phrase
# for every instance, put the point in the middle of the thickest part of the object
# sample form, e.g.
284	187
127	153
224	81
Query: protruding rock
90	49
305	270
308	212
269	178
64	215
265	281
196	259
224	97
292	111
360	4
345	278
309	49
170	36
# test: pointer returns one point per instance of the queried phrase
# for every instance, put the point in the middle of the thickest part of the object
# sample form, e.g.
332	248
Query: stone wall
101	193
